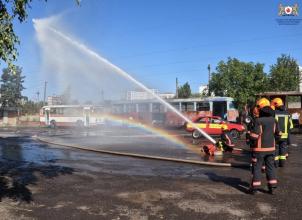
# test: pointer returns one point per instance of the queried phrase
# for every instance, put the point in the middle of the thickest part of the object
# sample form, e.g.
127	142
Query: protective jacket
284	123
264	132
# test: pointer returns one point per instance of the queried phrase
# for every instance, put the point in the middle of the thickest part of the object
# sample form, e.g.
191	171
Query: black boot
281	163
271	190
252	191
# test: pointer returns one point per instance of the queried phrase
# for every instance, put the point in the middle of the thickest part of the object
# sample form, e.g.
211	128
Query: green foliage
284	75
31	108
237	79
196	95
184	91
11	88
9	11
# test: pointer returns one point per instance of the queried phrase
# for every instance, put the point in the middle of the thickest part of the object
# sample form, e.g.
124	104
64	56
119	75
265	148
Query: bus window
156	107
187	106
231	105
143	107
175	105
203	106
53	111
190	106
220	109
72	111
131	108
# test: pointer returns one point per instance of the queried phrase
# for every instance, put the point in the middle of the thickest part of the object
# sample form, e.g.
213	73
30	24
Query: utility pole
45	85
209	69
38	96
102	95
176	95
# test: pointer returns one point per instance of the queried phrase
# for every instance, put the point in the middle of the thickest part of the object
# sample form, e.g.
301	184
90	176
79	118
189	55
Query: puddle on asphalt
24	149
175	144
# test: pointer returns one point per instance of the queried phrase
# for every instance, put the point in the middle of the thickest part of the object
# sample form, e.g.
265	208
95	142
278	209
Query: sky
156	41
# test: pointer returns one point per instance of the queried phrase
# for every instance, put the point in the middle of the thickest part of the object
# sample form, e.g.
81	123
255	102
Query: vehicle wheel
235	134
53	124
196	134
79	123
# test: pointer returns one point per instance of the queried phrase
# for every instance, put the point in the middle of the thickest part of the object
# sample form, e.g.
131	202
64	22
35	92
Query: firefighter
285	124
263	149
226	139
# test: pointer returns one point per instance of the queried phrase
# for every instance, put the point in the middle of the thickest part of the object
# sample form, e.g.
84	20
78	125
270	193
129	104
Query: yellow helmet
263	102
277	102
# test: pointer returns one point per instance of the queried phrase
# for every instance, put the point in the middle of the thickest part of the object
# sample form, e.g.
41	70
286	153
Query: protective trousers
258	159
281	151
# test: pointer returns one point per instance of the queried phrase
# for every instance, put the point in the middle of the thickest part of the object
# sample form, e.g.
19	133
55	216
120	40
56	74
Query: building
167	95
141	95
144	95
54	100
203	89
300	74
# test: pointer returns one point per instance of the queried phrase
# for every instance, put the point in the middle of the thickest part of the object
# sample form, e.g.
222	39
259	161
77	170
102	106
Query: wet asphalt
44	181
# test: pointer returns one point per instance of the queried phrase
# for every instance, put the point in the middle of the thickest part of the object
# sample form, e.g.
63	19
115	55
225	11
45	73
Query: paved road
40	181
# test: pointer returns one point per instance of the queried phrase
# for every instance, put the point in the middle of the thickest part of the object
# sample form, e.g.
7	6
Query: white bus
71	115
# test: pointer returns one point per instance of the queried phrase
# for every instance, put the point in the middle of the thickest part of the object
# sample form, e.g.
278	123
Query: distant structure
203	89
54	100
141	95
300	74
144	95
167	95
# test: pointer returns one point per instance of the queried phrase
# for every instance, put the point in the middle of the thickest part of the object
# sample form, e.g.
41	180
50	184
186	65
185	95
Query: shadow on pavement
234	182
15	177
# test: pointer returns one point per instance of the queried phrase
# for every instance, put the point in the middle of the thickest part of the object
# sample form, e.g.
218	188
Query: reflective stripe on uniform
282	157
263	149
256	183
277	157
272	181
291	124
284	135
254	135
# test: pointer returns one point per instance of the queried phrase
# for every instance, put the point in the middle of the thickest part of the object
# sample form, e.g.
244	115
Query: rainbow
169	136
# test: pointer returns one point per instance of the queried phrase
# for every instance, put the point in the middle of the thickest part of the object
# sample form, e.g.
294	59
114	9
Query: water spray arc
121	72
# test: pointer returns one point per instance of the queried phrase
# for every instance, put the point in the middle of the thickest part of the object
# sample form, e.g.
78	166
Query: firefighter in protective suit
263	149
285	124
226	139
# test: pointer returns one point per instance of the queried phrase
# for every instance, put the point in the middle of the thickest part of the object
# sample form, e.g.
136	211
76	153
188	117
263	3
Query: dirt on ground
41	181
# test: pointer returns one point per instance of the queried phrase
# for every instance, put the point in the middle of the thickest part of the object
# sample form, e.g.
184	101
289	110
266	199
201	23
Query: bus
151	111
292	101
71	115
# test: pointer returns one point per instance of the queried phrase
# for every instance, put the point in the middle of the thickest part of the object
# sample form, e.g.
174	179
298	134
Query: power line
206	59
198	46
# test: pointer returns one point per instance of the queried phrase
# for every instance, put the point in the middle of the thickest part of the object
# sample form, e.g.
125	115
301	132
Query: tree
184	91
284	75
11	88
196	95
237	79
30	108
9	11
